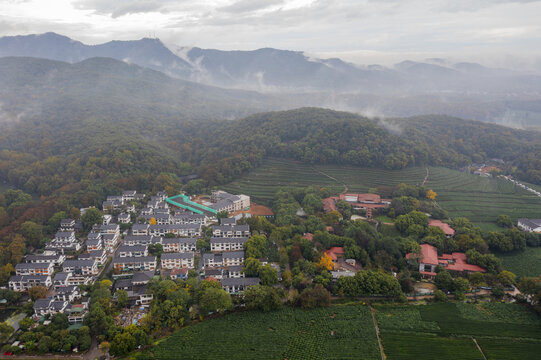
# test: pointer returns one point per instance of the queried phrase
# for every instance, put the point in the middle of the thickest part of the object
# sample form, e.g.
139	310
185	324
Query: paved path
373	313
346	186
479	348
426	177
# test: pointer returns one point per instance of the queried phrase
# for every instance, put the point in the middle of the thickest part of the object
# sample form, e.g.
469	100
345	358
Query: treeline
100	154
323	136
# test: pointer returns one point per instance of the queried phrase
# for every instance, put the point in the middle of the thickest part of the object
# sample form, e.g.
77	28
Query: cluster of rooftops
62	266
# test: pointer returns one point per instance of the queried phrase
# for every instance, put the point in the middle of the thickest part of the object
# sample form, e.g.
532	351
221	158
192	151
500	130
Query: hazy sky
364	31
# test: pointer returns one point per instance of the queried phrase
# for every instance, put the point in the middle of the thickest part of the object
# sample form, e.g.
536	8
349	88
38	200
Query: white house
177	260
130	264
227	243
238	285
529	225
24	282
85	267
34	269
179	244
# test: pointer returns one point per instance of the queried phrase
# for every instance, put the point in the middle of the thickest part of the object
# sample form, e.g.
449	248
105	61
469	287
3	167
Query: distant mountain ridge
294	79
269	69
151	53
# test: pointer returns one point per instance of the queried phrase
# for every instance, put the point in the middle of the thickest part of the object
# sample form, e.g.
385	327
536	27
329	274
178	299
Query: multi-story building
44	307
34	269
140	229
231	231
56	260
132	251
187	218
131	240
227	243
67	225
24	282
223	201
124	218
99	255
94	244
190	230
231	258
238	285
179	244
84	267
130	264
177	260
110	241
61	279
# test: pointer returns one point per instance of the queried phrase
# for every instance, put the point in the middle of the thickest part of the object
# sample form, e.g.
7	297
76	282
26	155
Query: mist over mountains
288	79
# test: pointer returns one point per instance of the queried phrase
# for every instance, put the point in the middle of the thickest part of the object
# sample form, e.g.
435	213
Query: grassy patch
523	263
384	219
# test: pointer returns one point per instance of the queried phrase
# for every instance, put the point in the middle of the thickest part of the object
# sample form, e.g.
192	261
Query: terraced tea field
526	263
479	199
447	330
339	332
423	332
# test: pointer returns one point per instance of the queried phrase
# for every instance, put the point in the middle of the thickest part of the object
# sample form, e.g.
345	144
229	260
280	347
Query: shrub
440	296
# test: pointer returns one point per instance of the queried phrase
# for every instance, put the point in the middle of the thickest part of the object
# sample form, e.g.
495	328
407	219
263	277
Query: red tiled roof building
429	260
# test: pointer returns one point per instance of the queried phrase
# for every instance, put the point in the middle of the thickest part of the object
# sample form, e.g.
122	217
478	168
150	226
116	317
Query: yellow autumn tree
152	221
326	262
431	194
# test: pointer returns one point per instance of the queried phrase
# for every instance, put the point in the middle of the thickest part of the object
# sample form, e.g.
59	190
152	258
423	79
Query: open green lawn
523	263
479	199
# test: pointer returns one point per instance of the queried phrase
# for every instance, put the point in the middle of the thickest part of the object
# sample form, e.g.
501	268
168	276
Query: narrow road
479	348
373	313
426	177
346	186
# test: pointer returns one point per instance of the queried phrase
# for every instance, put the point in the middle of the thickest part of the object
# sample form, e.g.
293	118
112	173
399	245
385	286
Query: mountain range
292	78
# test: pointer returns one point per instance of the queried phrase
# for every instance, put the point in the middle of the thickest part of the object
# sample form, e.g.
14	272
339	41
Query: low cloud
117	8
244	6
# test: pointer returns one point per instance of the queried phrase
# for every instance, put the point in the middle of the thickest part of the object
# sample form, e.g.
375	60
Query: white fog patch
371	113
7	118
395	129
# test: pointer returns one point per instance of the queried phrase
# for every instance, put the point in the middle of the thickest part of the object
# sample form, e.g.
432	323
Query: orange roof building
445	227
335	252
429	260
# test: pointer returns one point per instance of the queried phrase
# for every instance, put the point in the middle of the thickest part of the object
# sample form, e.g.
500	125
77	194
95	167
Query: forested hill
107	88
88	158
323	136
